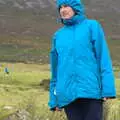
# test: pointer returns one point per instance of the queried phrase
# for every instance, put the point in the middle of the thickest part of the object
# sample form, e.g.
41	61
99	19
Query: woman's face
66	12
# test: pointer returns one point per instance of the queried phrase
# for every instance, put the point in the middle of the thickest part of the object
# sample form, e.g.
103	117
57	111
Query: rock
19	115
7	107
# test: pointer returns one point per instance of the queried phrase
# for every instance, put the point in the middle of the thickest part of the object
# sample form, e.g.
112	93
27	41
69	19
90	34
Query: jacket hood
77	6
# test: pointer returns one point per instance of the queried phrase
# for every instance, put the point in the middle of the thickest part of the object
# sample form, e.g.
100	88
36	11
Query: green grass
118	87
21	87
21	90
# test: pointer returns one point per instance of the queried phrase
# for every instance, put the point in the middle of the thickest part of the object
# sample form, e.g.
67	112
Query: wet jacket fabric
80	61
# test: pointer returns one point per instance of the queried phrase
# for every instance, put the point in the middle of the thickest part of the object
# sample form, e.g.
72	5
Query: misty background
26	28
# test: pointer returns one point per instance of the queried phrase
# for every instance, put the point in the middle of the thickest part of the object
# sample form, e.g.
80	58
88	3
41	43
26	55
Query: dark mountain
30	24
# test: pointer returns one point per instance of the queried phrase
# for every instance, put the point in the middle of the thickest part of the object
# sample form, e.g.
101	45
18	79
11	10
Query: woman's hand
105	99
58	109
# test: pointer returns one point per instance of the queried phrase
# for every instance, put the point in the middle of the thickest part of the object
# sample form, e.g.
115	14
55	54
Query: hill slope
26	27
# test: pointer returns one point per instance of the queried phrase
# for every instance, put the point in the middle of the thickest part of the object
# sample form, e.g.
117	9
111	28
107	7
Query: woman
81	67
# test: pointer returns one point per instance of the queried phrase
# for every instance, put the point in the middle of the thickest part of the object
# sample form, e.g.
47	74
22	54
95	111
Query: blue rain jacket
81	66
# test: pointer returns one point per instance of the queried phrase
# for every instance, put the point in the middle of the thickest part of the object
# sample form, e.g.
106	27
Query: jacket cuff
52	105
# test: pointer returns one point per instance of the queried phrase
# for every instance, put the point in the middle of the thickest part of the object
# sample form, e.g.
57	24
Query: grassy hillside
35	49
25	33
28	39
25	36
24	49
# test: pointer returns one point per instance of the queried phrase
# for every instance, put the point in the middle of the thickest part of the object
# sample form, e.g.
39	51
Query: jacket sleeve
53	67
104	62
